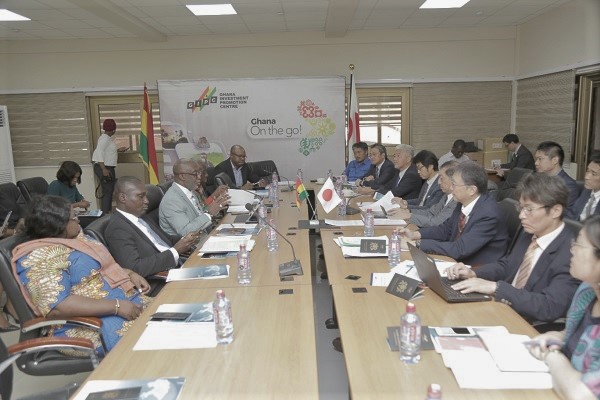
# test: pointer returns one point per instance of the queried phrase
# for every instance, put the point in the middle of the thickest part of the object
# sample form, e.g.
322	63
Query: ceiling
158	20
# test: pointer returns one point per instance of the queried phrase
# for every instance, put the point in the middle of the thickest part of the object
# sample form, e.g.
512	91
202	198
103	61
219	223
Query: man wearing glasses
534	277
240	174
180	211
474	234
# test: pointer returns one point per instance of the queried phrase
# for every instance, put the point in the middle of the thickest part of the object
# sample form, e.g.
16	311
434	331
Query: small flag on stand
327	196
147	148
301	193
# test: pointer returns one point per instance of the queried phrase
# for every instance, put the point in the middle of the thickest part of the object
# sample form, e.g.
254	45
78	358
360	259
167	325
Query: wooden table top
273	355
375	372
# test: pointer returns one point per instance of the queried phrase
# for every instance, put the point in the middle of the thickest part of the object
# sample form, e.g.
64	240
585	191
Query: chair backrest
164	186
155	195
31	186
574	226
264	167
6	376
11	287
11	199
96	229
223	179
511	219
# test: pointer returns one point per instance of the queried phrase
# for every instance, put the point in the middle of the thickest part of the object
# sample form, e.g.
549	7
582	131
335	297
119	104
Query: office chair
508	188
31	186
574	226
96	229
155	195
511	220
264	167
164	186
48	361
223	179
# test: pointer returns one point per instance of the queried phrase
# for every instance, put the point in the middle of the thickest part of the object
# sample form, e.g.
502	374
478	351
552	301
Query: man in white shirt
180	211
456	153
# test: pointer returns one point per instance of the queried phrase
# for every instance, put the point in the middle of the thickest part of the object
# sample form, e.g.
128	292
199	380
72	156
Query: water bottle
244	273
434	392
274	178
272	244
299	173
274	194
369	223
410	336
394	249
262	213
342	205
344	179
330	175
223	318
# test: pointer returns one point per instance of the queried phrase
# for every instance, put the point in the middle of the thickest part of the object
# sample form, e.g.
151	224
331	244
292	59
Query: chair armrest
49	343
41	322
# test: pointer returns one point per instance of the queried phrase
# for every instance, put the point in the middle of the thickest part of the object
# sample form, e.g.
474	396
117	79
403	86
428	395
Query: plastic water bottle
272	244
262	213
244	273
369	223
434	392
274	178
394	250
274	194
342	205
299	174
223	318
344	179
410	336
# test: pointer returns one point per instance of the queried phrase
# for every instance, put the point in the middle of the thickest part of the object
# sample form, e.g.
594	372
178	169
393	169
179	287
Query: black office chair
508	188
223	179
264	169
155	195
164	186
511	220
51	361
31	186
574	226
96	229
11	199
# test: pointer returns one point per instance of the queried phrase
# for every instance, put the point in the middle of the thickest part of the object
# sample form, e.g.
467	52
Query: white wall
410	54
561	39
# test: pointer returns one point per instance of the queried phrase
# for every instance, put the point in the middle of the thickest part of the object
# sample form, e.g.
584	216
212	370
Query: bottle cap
411	308
369	210
242	246
220	293
434	391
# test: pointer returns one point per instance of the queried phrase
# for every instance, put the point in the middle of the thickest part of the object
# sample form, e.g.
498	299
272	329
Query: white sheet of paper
510	354
385	201
237	209
344	222
226	243
176	335
240	197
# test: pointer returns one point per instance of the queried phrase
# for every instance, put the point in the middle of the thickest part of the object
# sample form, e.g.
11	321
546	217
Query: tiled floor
333	383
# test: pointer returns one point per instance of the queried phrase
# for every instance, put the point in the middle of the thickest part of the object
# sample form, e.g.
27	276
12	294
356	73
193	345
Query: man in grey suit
180	211
437	213
138	244
534	277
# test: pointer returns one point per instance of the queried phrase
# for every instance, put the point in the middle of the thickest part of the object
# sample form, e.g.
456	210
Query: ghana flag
147	148
301	193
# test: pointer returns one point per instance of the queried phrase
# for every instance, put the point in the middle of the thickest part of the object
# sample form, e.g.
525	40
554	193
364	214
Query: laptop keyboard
452	293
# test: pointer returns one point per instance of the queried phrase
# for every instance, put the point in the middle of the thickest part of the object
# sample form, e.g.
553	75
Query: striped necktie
524	270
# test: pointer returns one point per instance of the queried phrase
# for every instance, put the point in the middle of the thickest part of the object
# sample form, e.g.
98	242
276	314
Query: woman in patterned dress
64	273
573	355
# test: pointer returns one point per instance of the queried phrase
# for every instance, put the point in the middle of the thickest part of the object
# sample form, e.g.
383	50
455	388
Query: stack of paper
385	202
216	271
223	244
406	268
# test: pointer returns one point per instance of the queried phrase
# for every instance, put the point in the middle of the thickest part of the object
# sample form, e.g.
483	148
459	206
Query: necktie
154	236
462	221
377	174
514	157
588	206
525	268
423	193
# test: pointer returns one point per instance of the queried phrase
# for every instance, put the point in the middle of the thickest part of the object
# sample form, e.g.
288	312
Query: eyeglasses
196	174
456	184
238	155
420	167
527	210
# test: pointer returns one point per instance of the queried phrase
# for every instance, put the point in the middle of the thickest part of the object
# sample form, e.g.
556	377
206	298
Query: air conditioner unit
7	166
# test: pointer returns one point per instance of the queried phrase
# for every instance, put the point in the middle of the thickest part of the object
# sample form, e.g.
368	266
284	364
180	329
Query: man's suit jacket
435	215
132	249
178	216
522	159
577	208
248	174
549	290
483	240
408	187
386	173
572	186
433	196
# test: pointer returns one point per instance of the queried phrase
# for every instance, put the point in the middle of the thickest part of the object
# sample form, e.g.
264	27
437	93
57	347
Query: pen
409	268
536	343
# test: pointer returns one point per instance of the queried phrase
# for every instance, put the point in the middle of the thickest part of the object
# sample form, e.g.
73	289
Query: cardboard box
490	158
476	156
490	144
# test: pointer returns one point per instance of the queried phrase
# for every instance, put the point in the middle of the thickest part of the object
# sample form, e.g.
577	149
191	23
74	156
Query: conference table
273	354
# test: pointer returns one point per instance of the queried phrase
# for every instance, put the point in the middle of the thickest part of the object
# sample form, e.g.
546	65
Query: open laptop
429	274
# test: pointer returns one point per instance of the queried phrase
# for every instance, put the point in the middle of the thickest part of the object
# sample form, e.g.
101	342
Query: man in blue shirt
358	167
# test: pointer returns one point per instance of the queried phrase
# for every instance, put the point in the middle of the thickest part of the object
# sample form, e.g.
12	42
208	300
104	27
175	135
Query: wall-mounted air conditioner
7	166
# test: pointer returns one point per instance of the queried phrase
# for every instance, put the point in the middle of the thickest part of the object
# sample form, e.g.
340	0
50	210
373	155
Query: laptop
429	274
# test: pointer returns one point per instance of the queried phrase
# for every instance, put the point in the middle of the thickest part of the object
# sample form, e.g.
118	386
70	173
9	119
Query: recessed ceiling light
212	9
444	3
6	15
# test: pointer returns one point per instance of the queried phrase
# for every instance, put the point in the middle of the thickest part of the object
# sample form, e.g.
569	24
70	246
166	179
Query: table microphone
289	268
289	185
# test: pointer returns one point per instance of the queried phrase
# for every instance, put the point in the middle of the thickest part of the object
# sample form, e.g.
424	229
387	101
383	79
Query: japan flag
327	196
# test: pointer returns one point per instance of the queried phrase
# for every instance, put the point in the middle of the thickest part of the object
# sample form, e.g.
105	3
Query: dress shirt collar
129	216
234	167
431	180
469	208
544	241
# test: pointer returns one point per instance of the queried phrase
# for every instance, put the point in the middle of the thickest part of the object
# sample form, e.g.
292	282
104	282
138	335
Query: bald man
240	174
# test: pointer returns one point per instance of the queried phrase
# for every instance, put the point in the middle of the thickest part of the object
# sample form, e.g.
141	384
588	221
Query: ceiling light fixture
212	9
444	3
6	15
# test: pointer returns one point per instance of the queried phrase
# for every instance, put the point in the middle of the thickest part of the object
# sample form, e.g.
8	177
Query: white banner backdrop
296	122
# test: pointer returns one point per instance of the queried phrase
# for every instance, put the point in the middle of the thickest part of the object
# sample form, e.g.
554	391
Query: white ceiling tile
22	25
87	33
258	9
189	29
228	28
262	19
49	33
78	13
118	32
220	19
163	3
166	21
22	5
67	24
98	23
136	12
155	11
45	15
58	4
462	21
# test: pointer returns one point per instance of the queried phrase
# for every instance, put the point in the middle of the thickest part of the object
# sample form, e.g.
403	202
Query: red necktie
462	221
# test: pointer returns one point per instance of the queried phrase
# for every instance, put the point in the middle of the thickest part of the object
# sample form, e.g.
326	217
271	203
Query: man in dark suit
138	244
534	277
521	156
587	202
381	172
240	174
549	157
406	183
426	164
474	234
